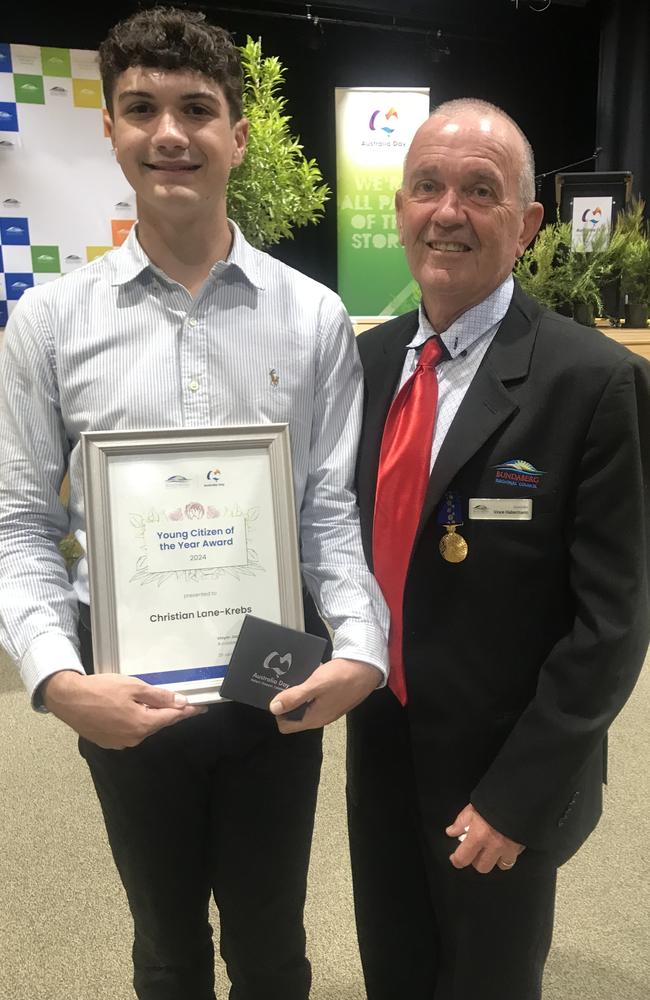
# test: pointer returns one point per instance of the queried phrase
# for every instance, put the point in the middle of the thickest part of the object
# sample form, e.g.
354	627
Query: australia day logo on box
273	664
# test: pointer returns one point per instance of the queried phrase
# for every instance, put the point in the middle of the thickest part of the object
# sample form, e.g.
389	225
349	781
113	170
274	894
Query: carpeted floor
65	926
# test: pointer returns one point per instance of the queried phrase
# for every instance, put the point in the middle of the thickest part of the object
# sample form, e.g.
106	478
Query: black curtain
624	91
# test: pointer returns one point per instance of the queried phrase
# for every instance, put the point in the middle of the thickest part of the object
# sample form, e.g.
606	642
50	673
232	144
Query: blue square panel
8	116
14	232
3	314
2	267
16	284
5	58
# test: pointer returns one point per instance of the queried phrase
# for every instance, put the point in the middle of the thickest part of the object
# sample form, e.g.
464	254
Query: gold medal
453	547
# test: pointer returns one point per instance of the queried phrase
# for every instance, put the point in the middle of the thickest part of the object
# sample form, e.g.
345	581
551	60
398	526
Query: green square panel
56	62
45	260
29	89
87	93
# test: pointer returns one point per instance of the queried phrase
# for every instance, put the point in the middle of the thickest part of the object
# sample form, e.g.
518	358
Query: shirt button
194	385
193	321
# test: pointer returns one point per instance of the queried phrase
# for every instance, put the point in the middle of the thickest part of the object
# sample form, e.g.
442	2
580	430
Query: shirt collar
472	325
128	261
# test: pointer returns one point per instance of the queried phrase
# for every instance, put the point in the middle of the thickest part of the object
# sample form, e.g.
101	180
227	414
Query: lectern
614	184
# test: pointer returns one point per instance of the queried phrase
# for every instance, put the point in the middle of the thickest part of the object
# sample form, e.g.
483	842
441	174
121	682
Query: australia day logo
517	472
214	478
382	127
384	123
593	216
278	664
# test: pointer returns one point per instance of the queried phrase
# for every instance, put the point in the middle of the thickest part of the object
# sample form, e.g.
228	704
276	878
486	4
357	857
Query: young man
180	327
516	574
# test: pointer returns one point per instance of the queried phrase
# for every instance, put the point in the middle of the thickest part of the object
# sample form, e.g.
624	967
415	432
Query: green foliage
539	271
631	220
635	279
558	274
70	550
635	255
588	270
276	187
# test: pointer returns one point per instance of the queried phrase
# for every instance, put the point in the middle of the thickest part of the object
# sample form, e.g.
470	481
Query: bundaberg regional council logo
177	480
518	472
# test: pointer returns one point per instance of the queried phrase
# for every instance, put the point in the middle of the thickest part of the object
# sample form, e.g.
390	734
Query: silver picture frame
187	531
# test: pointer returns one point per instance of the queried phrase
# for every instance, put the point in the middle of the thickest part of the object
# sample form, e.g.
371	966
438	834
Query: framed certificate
188	531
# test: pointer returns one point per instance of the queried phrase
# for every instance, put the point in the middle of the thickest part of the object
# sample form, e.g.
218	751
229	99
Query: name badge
516	509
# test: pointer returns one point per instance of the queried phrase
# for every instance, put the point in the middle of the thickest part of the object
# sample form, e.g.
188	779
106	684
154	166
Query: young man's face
173	139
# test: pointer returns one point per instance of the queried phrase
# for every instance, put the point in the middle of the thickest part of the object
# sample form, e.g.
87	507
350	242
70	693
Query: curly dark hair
168	38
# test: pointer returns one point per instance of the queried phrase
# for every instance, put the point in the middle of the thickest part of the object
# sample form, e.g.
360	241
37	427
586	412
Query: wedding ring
506	865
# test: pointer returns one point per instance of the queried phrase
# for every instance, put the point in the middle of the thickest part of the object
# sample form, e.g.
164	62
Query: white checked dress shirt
466	340
118	345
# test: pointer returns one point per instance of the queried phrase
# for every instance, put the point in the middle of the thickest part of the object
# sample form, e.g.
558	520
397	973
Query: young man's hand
112	710
332	690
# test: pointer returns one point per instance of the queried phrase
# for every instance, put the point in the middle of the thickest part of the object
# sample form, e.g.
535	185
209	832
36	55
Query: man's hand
112	710
332	690
482	846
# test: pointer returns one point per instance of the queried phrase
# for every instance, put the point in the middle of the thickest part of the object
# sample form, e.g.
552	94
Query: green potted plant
276	188
635	263
540	270
636	281
570	278
591	261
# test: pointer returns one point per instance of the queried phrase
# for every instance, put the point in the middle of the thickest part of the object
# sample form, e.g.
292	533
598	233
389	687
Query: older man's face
459	212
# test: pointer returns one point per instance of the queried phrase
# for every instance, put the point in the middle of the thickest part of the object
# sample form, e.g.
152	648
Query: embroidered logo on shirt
274	377
517	472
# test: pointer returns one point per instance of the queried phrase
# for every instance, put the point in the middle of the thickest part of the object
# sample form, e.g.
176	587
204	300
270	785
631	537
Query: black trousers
428	931
221	804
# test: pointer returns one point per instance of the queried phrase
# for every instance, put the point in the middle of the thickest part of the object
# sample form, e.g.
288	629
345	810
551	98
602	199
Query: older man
501	485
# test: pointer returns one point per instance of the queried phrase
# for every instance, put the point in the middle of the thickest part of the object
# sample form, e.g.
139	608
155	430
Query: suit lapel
488	403
382	352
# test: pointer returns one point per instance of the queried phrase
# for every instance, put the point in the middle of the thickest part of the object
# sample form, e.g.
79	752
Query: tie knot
431	353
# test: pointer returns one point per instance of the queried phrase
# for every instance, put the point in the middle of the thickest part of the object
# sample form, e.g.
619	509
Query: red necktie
404	465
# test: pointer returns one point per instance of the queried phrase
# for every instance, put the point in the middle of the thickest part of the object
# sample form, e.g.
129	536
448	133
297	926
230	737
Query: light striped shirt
466	340
118	345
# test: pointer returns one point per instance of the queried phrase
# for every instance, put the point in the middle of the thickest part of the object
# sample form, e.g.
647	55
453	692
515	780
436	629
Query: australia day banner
374	128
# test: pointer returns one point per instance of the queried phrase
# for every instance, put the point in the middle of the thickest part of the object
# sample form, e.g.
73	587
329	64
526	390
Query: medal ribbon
404	464
450	509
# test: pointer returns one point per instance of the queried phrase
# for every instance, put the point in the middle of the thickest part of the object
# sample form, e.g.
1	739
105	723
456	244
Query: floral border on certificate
194	511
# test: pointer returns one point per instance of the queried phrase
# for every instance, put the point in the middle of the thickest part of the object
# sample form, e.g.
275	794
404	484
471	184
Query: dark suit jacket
518	659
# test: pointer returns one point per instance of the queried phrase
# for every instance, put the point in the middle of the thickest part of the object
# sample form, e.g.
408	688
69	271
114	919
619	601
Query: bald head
489	117
466	207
